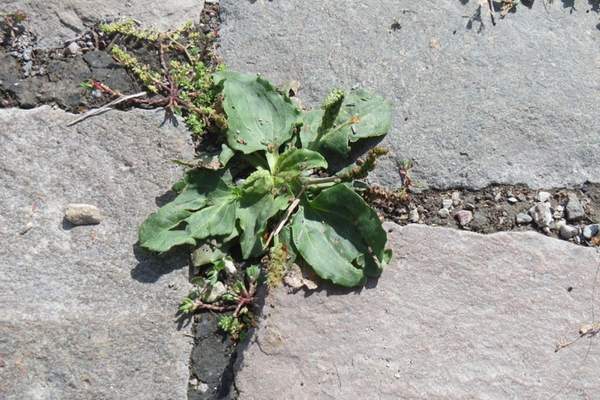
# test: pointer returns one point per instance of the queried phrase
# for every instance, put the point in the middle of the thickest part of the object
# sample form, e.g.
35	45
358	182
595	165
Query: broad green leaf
295	161
254	212
360	116
225	155
213	160
340	236
163	229
156	232
310	127
259	182
258	116
215	220
325	250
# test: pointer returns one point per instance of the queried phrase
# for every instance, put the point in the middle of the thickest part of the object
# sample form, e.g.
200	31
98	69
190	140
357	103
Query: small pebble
463	217
456	199
574	208
512	200
447	204
590	231
523	219
413	216
541	214
543	197
443	213
469	206
568	231
73	49
83	214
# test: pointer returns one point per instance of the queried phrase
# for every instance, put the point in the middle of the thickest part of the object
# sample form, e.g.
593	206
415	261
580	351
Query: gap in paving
497	208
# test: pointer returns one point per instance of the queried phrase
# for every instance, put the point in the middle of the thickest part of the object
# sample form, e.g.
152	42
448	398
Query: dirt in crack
32	76
570	214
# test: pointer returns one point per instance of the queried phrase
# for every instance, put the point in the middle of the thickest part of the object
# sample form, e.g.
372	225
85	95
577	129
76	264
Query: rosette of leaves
273	188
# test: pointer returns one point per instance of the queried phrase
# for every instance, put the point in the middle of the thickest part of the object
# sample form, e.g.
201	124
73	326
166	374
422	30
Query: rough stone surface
515	103
456	315
54	21
84	314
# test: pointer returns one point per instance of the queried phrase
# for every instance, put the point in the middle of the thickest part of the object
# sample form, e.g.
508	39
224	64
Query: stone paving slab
515	103
456	315
54	21
83	313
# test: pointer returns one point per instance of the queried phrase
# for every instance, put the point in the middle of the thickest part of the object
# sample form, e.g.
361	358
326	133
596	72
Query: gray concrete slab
83	313
54	21
515	103
456	315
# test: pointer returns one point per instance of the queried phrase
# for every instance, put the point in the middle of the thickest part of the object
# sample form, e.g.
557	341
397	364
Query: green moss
149	78
276	265
129	28
185	80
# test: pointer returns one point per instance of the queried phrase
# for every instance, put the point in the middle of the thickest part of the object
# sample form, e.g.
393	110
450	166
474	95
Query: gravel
541	214
463	217
574	208
591	231
523	219
568	231
543	196
443	213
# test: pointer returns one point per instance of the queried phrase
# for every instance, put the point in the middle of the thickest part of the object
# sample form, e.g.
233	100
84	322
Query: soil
492	210
30	77
212	359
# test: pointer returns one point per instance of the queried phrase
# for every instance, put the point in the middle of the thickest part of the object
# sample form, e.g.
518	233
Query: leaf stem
288	214
320	181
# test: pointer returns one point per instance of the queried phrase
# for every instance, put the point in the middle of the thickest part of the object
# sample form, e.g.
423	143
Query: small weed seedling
181	82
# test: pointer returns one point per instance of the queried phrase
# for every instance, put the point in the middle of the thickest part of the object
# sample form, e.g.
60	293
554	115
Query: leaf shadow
165	198
332	290
150	266
357	150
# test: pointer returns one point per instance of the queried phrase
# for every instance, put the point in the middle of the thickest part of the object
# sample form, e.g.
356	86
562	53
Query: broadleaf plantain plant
268	192
331	227
273	192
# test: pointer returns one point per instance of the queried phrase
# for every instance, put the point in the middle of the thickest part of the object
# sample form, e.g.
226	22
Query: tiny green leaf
253	273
